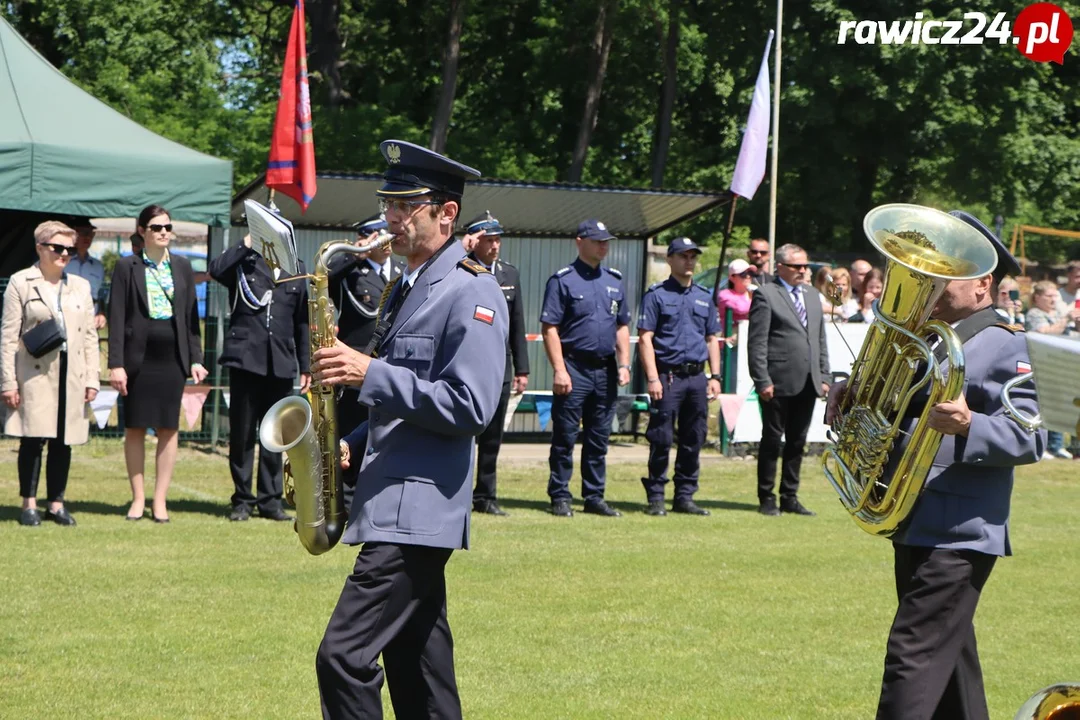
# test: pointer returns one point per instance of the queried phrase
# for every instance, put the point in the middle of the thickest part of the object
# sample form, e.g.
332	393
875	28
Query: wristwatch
717	377
624	366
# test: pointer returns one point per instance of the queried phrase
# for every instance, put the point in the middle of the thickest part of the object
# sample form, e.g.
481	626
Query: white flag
750	167
102	406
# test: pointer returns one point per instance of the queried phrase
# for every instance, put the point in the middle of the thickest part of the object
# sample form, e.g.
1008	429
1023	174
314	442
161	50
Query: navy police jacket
680	320
588	305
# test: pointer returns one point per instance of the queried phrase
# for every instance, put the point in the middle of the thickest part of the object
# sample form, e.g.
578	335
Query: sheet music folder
272	237
1055	360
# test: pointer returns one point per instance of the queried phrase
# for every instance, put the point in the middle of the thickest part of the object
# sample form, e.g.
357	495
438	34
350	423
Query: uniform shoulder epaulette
654	286
613	271
473	266
1013	328
699	286
560	273
505	264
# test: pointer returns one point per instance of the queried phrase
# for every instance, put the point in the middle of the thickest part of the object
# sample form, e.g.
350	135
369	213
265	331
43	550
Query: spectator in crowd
45	382
1048	317
267	345
1007	301
789	364
136	243
758	255
736	297
584	321
859	269
873	285
1070	292
841	280
89	268
154	346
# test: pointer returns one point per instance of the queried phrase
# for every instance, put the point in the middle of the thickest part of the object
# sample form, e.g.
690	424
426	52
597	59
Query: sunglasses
795	267
757	252
746	274
59	249
158	228
406	207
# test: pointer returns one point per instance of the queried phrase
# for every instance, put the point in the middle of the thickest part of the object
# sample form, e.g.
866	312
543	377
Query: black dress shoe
489	507
30	517
61	517
768	507
278	515
688	507
561	508
656	508
600	507
240	513
794	507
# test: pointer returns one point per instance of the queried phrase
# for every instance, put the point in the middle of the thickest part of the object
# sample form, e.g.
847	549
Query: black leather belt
684	370
595	362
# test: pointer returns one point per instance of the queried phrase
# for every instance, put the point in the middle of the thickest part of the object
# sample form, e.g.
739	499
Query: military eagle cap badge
393	153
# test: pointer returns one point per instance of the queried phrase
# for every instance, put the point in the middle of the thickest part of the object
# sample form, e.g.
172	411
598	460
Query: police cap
1007	264
372	224
485	222
682	244
415	170
594	230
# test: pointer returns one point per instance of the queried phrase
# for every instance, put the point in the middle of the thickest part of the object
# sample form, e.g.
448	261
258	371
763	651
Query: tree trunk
667	95
325	47
440	125
601	47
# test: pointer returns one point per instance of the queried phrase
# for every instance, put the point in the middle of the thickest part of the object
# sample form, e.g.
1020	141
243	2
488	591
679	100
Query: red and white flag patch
484	314
1023	367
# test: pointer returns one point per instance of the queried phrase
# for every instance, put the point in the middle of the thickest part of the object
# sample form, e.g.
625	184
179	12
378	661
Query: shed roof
532	209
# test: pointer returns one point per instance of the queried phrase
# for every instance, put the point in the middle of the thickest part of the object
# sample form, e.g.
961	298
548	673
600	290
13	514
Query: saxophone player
432	381
946	548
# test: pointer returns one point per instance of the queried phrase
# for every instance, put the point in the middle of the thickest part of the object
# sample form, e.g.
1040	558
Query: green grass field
730	616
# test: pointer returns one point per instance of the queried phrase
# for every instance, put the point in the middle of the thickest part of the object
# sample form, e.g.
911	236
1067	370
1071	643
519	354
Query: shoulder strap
473	266
969	327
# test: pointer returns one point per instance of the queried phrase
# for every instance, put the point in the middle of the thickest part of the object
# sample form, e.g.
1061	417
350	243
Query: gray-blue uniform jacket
434	387
965	502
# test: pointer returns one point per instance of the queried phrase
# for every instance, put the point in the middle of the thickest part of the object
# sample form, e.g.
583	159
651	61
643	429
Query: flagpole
775	132
724	242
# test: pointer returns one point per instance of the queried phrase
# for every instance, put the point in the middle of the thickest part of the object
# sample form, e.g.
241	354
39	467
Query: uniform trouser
591	401
487	449
932	666
788	417
350	413
393	604
685	402
250	397
58	462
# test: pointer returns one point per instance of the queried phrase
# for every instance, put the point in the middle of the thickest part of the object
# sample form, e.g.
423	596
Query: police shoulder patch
472	266
1013	328
613	271
699	286
560	273
654	286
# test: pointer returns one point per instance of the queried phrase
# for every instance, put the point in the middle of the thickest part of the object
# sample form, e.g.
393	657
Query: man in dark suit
946	548
356	284
483	237
432	383
266	345
789	364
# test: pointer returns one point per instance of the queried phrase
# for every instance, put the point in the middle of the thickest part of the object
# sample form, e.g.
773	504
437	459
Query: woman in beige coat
45	398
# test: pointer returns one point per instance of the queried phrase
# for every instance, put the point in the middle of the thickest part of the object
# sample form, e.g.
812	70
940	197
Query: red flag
291	169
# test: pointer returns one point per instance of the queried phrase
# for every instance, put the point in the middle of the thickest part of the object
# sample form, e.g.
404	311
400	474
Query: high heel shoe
158	520
135	518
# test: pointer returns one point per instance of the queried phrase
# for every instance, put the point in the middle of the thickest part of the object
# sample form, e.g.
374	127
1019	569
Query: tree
601	48
667	93
440	125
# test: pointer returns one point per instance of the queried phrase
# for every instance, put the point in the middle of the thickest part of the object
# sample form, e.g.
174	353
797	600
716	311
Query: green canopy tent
64	153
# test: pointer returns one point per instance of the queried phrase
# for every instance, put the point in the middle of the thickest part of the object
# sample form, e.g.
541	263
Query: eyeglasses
405	207
59	249
746	274
796	267
757	252
158	228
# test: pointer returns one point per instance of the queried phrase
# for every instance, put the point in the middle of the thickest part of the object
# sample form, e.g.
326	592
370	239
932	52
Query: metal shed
540	219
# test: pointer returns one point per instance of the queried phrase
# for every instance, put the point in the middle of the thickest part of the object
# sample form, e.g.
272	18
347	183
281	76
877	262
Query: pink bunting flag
730	407
192	402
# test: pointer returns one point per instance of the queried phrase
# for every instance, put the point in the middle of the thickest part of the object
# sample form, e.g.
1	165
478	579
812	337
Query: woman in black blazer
154	347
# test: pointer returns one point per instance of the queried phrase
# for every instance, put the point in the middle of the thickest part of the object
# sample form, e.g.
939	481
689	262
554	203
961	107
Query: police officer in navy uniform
677	341
483	239
585	324
947	547
356	284
267	343
432	387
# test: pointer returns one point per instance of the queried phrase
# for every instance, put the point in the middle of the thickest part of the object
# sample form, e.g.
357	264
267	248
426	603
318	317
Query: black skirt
155	388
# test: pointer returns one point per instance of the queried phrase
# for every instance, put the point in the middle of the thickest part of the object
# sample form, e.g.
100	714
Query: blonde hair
1044	287
842	273
1008	283
49	229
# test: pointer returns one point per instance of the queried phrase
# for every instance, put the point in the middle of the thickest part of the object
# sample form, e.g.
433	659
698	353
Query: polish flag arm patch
484	314
1023	367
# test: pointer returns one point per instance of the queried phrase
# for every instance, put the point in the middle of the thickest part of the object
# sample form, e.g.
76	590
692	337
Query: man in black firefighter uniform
266	345
483	240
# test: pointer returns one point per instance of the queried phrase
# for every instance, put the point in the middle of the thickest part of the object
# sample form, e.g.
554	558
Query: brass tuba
925	250
307	432
1057	702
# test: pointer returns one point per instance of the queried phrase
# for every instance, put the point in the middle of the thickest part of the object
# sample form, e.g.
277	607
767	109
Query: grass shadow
520	504
727	505
184	505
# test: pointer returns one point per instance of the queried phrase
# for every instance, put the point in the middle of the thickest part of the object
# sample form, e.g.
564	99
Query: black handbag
43	338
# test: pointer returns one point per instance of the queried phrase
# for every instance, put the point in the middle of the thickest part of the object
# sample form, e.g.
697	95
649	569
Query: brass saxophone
307	432
925	250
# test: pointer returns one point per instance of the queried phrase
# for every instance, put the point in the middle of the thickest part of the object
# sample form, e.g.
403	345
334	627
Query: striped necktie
799	307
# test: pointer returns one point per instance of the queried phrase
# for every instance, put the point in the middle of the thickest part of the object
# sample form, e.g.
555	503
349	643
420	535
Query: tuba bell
925	250
1057	702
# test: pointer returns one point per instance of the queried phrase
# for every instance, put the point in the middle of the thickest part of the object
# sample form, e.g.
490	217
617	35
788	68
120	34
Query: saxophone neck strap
969	327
